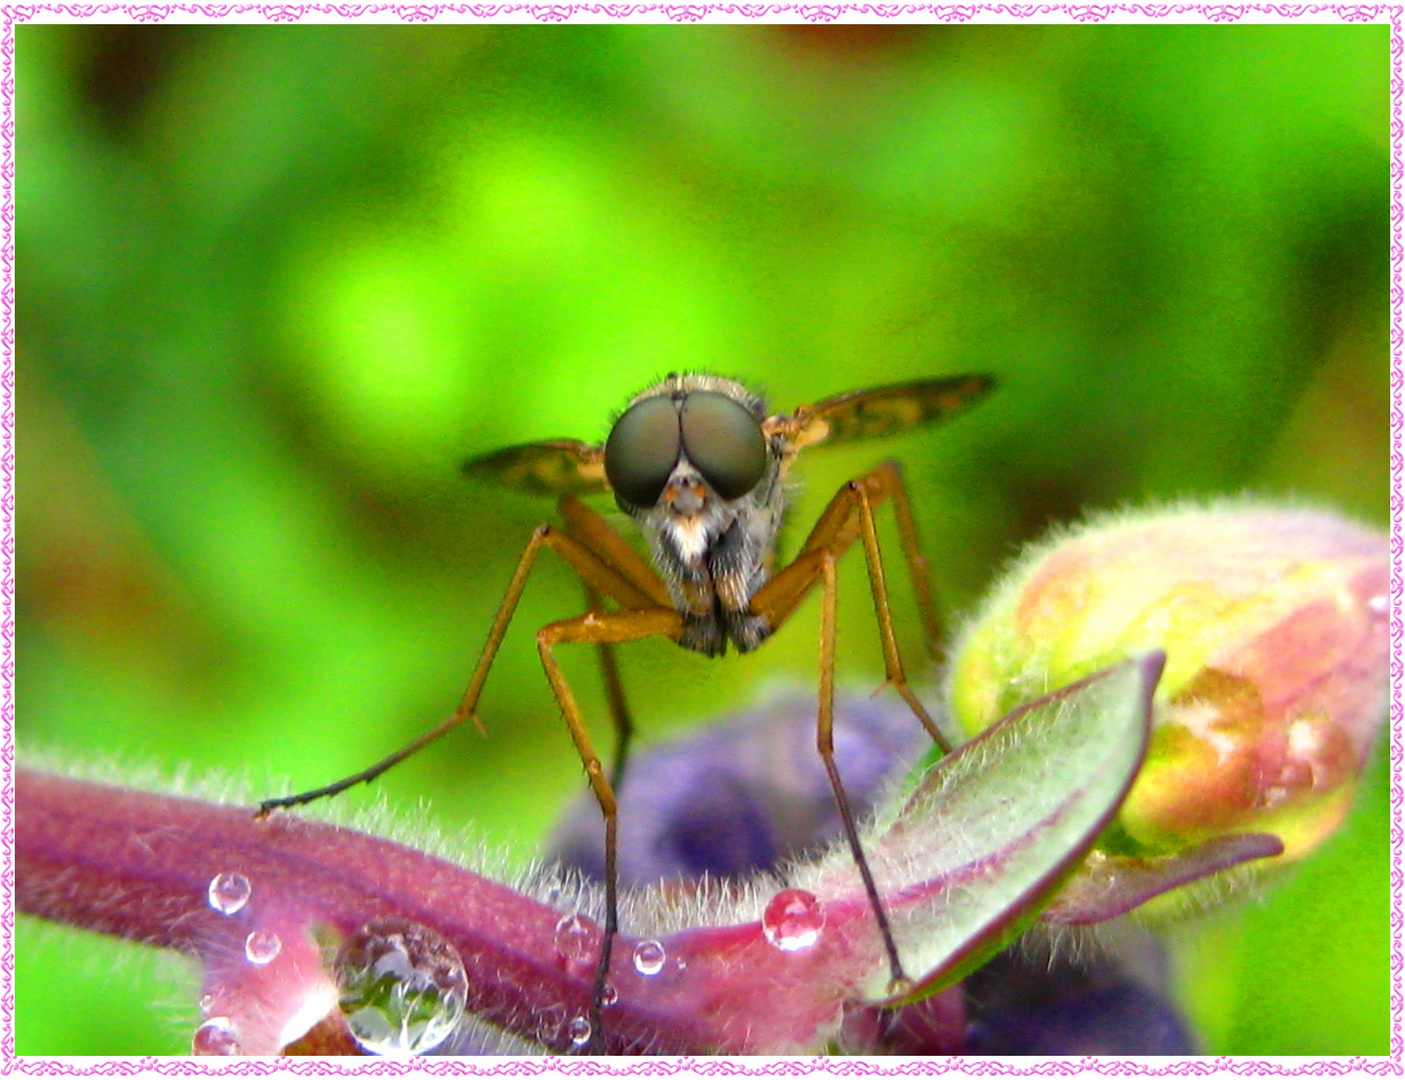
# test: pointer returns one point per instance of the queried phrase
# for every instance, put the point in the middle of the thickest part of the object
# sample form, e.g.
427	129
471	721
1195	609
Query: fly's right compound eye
725	442
642	450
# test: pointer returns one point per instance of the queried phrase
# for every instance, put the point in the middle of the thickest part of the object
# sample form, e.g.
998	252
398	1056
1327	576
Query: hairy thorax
713	562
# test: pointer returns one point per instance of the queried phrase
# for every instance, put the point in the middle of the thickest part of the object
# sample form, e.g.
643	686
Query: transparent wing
885	410
555	467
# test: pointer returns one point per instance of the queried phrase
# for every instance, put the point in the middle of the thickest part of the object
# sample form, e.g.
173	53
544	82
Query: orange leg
849	516
594	531
608	567
607	628
595	570
614	695
824	740
917	566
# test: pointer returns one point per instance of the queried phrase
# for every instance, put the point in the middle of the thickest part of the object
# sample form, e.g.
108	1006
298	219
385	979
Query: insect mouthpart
685	499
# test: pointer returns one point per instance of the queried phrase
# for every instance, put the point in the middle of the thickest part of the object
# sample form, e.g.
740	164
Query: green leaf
992	831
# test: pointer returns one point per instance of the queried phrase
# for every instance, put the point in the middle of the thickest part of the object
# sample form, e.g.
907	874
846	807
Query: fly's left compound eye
724	441
642	450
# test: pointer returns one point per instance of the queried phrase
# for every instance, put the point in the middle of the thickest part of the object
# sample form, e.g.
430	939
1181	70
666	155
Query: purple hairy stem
139	865
264	904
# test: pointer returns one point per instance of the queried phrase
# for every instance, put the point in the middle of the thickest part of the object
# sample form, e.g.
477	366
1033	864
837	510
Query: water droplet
579	1031
578	939
262	946
215	1037
207	1004
403	987
608	995
649	956
229	892
793	920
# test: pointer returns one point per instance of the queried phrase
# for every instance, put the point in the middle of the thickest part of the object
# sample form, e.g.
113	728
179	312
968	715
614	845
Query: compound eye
724	441
642	450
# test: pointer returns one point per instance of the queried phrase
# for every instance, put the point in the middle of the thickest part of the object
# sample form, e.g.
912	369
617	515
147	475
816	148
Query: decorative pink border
7	541
691	13
1397	521
1394	1065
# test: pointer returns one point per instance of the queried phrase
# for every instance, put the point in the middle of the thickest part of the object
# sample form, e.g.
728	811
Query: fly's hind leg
608	567
891	476
886	482
601	629
599	570
849	517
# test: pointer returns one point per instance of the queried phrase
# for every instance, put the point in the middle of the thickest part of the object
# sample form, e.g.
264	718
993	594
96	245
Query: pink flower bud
1275	627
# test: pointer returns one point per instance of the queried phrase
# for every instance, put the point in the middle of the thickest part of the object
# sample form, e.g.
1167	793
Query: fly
699	465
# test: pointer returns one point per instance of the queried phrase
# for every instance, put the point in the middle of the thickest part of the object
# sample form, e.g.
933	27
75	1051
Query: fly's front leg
777	600
849	517
601	628
592	530
824	740
614	697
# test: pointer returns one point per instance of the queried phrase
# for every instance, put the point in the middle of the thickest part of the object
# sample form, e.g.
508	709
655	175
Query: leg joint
549	635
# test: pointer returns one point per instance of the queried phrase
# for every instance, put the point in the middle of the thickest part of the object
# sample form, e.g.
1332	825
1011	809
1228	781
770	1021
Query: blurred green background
275	284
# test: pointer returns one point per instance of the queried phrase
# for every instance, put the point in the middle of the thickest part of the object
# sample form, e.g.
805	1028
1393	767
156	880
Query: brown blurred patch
329	1037
853	42
83	568
127	63
1336	443
1041	500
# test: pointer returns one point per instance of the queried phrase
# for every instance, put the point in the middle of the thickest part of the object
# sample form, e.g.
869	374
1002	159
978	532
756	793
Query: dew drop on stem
215	1038
649	957
793	920
577	939
403	988
262	947
229	892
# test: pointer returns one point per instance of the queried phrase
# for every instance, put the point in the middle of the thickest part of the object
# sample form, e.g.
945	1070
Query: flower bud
1275	627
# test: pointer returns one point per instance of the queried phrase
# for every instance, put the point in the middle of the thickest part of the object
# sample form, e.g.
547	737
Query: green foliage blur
276	283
